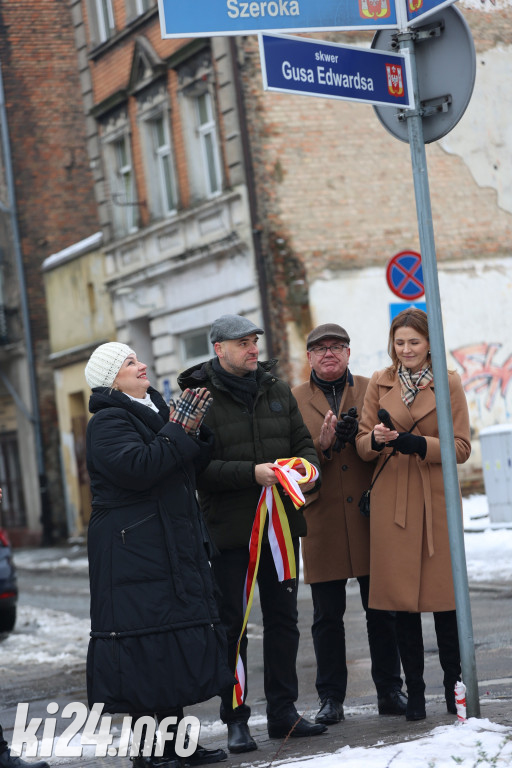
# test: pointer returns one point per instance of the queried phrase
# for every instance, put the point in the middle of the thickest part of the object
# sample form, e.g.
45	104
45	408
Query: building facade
215	196
50	204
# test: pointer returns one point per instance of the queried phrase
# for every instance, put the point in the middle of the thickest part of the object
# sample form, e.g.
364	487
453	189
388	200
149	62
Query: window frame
125	213
104	19
208	130
157	157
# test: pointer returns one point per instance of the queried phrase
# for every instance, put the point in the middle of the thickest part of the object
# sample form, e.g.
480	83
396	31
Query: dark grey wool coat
156	641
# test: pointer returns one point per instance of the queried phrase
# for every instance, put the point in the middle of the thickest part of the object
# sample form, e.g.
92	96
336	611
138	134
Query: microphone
385	418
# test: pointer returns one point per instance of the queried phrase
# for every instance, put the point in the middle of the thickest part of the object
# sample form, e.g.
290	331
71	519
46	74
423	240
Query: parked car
8	585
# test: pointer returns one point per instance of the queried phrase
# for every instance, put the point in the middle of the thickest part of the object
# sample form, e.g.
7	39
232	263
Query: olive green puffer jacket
228	492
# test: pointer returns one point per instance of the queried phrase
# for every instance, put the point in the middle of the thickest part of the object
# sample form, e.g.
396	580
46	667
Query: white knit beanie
105	362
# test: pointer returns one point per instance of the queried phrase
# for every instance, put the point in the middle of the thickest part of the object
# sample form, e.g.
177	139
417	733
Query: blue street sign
417	9
396	308
203	18
317	68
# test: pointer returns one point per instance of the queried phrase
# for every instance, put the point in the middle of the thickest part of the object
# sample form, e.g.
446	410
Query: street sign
446	65
205	18
404	275
417	9
396	307
318	68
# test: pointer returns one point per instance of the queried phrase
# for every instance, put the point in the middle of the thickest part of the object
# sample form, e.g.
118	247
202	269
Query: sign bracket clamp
427	108
419	34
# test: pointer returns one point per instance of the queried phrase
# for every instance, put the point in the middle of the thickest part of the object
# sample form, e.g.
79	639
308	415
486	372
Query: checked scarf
412	383
280	541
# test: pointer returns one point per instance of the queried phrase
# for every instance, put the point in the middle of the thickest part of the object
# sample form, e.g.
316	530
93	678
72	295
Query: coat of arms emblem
395	79
377	9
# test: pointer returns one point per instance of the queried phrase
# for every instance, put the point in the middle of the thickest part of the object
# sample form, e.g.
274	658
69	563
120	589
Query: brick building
214	196
52	205
336	201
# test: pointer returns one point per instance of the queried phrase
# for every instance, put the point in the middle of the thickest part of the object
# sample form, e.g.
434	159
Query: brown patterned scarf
411	383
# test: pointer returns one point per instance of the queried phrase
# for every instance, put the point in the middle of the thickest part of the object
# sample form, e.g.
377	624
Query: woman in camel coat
410	562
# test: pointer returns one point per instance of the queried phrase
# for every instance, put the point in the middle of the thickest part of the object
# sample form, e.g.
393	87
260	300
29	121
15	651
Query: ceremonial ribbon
280	540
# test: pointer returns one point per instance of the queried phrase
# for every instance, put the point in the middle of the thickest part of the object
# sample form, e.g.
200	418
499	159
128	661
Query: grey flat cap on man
327	331
229	327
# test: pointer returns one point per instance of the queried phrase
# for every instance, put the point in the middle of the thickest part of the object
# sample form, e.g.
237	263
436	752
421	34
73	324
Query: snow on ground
45	637
476	742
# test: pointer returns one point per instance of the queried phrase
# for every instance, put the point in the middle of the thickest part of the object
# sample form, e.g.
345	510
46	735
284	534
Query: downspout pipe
253	208
46	517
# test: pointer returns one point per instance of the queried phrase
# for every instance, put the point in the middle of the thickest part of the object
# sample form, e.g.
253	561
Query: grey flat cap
229	327
327	331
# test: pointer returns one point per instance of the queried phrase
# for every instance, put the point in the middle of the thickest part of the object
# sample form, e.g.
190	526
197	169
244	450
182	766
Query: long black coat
156	641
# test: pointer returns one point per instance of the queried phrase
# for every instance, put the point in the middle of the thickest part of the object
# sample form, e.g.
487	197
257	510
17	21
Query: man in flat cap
256	421
337	546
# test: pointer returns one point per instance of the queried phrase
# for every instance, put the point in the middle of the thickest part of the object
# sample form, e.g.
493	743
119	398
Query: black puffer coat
228	492
156	642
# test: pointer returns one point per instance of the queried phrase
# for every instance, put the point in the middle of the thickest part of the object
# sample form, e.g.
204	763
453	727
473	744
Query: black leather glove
346	429
407	443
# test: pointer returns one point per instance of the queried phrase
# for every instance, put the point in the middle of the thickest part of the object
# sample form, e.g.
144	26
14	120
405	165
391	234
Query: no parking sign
404	275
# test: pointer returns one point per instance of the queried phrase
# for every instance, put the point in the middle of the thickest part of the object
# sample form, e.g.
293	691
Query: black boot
239	738
449	654
410	643
12	761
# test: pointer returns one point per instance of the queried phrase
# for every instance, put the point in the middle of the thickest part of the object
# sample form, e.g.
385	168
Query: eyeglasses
336	349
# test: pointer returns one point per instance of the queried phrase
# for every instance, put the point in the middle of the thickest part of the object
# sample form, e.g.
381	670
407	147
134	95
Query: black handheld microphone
385	418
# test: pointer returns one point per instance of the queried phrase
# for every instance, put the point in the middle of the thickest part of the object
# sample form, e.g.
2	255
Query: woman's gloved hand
407	443
190	409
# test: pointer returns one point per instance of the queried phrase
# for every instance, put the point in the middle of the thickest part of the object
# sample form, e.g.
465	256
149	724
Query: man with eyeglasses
337	546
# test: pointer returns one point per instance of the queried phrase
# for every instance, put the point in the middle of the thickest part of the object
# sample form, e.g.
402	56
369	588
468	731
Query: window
161	181
136	8
208	141
102	20
143	5
196	78
122	186
196	346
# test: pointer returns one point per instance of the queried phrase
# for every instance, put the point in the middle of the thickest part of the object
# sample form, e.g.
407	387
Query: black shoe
239	738
330	712
393	703
293	725
203	756
140	761
415	706
12	761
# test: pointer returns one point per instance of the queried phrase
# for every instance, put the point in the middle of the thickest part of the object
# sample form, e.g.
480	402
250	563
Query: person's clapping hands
346	429
190	409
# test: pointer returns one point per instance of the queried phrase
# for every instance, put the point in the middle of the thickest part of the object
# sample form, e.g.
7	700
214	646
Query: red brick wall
335	188
54	188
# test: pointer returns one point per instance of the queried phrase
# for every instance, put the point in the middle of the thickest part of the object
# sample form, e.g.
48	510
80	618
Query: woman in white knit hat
156	641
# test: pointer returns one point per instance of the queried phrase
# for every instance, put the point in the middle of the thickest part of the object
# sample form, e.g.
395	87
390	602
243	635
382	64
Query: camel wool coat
410	564
338	542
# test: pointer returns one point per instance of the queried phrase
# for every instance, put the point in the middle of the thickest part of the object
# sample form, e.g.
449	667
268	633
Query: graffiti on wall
481	374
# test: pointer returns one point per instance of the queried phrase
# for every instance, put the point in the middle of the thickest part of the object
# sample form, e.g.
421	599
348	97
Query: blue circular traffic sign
404	275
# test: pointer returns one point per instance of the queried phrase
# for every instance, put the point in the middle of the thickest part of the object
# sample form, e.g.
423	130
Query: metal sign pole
444	411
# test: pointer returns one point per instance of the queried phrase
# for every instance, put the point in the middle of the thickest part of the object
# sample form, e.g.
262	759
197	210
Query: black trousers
278	602
3	744
410	638
170	746
328	631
